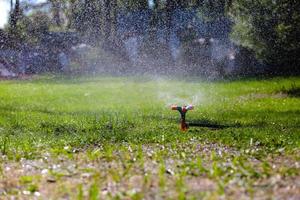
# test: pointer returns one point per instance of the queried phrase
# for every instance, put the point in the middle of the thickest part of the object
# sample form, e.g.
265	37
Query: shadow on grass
105	119
294	92
212	124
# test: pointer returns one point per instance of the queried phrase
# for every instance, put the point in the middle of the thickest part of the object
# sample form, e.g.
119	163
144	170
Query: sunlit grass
127	123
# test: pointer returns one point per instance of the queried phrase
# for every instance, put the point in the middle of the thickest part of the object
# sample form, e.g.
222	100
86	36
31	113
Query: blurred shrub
270	28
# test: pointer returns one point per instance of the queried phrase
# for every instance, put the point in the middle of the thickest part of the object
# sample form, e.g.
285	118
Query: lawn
117	138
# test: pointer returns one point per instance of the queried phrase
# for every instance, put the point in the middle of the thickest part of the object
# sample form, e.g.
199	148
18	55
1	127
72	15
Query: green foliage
270	29
30	29
212	10
80	192
94	192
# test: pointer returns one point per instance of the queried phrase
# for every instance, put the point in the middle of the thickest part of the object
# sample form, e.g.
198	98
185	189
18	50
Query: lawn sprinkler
183	110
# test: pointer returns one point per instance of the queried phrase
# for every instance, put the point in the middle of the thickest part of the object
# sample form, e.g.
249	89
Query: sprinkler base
183	110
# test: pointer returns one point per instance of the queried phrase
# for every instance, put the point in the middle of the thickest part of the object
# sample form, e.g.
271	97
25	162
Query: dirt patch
153	172
200	184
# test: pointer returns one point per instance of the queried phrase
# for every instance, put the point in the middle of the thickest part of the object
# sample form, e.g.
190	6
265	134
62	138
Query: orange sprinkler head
175	107
183	110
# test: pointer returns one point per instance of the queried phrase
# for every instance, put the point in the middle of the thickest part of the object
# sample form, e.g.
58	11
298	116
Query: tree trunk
11	6
56	12
71	15
114	7
14	33
156	4
170	6
107	20
15	15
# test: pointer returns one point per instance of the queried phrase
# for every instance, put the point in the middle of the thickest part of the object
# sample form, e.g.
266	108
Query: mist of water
169	99
175	94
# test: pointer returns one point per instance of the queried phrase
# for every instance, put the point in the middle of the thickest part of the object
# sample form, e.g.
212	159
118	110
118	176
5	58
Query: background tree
15	14
270	29
56	12
13	29
36	26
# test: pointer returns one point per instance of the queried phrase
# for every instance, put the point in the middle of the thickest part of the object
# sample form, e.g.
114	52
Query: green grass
122	125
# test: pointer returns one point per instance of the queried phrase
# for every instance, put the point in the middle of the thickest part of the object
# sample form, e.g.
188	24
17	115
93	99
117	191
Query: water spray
183	110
